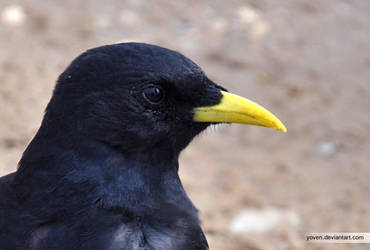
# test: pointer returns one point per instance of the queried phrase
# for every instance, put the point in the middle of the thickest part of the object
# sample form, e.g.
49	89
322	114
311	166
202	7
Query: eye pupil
153	94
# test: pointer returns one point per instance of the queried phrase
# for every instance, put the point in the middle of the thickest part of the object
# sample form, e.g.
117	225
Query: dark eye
153	94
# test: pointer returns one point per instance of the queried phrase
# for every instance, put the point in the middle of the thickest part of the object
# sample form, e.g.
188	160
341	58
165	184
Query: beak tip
282	128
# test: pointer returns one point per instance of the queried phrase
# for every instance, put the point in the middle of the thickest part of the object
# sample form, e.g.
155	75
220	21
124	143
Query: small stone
129	18
219	24
262	220
248	14
13	15
103	22
259	29
327	149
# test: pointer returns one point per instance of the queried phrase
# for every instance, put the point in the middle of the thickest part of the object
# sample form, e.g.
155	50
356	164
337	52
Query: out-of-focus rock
259	27
248	14
103	22
219	24
129	17
255	220
13	15
327	148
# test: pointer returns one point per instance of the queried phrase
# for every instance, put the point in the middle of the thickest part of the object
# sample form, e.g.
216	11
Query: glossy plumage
101	172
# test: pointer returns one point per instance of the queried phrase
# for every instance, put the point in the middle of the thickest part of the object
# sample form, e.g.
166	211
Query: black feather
101	172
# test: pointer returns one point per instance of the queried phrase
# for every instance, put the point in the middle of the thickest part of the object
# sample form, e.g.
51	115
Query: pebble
327	149
262	220
13	15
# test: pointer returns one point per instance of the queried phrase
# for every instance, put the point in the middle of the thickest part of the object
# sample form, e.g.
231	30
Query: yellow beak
236	109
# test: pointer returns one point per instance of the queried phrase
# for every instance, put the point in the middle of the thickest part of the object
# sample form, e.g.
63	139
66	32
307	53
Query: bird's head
144	98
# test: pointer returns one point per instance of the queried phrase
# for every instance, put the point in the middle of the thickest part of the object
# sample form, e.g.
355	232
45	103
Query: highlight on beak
236	109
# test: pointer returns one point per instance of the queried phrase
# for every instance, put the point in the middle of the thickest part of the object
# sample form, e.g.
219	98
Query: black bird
102	170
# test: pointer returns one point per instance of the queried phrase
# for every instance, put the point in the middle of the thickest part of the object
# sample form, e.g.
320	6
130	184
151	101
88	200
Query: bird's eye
153	94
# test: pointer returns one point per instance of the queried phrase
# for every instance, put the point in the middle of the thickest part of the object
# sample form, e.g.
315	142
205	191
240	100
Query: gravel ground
307	61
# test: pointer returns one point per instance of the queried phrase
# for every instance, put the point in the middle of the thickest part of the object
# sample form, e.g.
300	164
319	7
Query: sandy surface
307	61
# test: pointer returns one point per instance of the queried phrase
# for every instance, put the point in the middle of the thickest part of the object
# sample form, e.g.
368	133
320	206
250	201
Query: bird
102	170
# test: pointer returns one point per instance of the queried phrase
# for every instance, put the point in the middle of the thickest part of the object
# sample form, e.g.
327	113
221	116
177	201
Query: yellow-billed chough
102	171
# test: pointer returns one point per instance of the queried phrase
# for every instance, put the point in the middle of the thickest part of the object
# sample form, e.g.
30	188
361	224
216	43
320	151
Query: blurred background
306	61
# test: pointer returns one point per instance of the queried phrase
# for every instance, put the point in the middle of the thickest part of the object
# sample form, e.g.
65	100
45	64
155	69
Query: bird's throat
95	174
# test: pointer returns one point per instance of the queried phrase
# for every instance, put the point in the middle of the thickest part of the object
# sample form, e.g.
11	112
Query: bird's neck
62	173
